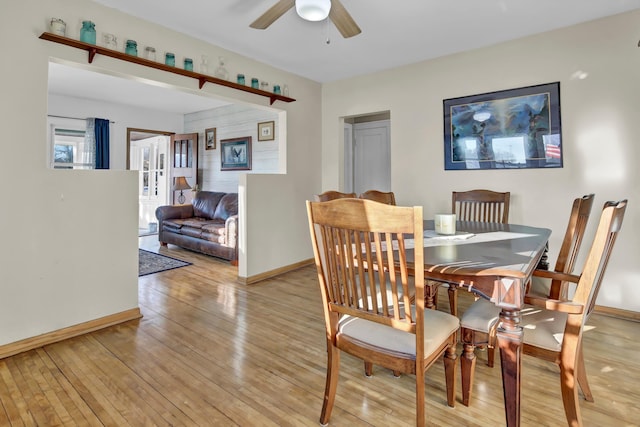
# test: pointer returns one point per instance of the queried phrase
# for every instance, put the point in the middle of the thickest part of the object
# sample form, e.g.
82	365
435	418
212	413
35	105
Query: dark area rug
150	262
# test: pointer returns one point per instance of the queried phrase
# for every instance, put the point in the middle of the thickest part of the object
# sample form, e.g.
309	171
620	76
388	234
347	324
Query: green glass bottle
170	59
132	48
88	32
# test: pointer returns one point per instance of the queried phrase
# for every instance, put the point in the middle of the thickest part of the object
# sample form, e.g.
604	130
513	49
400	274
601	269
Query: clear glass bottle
285	90
170	59
131	48
110	41
264	86
221	71
58	27
188	64
88	32
204	65
150	53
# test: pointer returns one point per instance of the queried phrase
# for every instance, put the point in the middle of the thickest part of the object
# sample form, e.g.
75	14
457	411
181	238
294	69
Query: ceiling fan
311	10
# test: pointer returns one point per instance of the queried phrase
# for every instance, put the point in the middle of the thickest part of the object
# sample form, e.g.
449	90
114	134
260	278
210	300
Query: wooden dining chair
481	206
478	206
553	328
379	196
556	289
480	321
373	301
332	195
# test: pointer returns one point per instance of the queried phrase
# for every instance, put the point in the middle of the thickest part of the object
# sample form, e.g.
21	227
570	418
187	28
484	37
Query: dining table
494	261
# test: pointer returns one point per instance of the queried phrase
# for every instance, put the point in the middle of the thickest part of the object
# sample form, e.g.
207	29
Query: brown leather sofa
208	225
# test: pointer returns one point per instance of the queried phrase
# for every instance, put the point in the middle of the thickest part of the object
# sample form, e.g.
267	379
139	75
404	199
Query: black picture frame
508	129
235	154
210	138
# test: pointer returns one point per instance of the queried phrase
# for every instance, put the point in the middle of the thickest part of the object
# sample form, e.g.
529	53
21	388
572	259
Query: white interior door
149	157
371	156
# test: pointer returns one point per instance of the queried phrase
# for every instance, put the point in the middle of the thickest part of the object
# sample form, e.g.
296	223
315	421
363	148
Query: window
70	149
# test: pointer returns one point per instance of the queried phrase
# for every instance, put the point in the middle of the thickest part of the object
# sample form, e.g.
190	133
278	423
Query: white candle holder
445	223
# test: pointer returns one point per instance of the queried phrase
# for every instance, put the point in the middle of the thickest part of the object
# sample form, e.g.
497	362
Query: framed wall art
509	129
210	138
266	131
235	154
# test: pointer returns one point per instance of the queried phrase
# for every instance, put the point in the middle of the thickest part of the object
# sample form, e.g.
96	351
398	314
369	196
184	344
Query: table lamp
181	184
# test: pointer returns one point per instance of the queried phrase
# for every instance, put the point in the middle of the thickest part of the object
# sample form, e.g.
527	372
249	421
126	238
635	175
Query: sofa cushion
191	231
228	206
171	225
205	204
187	222
215	232
215	226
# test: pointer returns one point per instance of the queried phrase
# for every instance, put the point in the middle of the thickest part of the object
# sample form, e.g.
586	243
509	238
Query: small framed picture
265	131
210	138
235	154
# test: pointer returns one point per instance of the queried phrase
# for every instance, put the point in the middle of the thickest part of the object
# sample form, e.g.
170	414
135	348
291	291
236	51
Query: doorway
148	153
367	145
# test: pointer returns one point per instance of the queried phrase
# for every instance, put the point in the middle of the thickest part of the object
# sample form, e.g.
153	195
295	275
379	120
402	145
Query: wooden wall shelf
202	78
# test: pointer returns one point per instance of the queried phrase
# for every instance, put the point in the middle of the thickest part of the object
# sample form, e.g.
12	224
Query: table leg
431	294
509	337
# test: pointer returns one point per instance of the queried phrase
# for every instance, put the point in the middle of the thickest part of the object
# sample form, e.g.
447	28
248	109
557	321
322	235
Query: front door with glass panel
149	157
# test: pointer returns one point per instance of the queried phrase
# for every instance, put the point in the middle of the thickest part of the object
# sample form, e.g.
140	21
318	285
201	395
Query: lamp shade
181	184
313	10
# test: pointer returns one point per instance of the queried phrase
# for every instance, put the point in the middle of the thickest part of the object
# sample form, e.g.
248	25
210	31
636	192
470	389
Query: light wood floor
211	352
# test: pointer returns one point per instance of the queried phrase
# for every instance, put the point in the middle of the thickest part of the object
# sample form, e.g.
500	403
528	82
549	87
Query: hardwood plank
13	401
63	397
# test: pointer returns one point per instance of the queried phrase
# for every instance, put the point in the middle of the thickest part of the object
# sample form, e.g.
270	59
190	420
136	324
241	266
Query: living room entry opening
147	153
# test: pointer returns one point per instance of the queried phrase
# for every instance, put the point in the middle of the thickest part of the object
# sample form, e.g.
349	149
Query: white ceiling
394	33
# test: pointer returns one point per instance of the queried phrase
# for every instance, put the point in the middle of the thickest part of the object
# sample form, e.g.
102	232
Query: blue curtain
102	143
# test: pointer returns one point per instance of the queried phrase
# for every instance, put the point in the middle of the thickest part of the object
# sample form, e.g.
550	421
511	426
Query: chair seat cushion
438	327
542	328
480	316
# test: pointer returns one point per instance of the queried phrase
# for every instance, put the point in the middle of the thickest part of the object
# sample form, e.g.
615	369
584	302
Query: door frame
350	142
166	176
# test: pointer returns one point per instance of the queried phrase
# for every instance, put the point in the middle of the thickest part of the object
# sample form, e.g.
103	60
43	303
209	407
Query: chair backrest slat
481	206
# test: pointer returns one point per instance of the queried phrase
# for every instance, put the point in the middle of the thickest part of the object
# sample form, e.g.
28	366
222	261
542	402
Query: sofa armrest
174	212
231	231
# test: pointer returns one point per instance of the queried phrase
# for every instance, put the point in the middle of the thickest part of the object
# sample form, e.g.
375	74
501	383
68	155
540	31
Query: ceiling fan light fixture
313	10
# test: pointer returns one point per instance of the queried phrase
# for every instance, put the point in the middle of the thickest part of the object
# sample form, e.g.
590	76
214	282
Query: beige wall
69	252
599	129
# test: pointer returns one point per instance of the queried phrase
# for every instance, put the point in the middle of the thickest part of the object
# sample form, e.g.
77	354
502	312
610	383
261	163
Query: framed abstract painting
508	129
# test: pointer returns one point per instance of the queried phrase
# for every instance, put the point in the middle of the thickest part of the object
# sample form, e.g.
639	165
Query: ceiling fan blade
342	20
274	12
